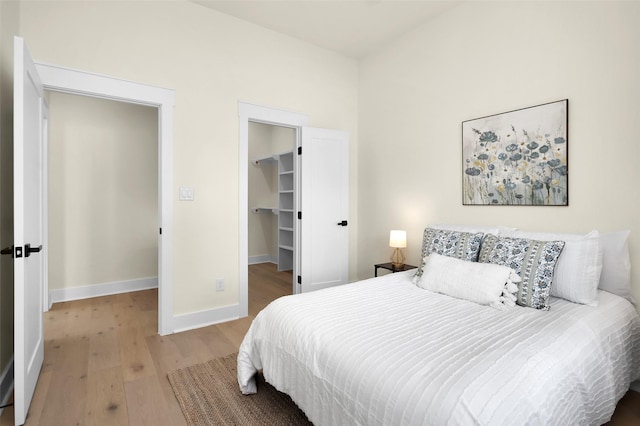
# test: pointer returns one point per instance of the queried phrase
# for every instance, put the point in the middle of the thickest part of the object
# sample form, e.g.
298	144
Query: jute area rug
208	394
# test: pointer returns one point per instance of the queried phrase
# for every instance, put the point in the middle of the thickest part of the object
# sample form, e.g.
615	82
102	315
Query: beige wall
212	61
103	191
264	141
9	18
483	58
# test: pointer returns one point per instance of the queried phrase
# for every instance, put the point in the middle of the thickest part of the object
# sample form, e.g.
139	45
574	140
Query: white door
323	255
29	110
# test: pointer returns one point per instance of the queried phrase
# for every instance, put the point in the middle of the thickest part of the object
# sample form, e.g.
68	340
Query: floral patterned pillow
533	260
458	244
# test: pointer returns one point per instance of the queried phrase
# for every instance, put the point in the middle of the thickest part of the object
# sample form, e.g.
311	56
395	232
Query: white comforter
385	352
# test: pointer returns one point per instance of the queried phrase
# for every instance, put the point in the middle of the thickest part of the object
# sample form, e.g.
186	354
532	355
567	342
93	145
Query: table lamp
397	240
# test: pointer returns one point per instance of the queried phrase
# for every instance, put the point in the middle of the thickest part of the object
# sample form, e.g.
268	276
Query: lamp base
397	258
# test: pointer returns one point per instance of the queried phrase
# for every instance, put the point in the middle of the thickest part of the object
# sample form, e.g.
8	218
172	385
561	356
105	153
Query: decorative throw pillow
616	267
578	269
496	230
461	245
482	283
534	261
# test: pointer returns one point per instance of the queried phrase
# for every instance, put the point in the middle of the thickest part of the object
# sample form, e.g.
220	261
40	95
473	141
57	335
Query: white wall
103	191
483	58
212	61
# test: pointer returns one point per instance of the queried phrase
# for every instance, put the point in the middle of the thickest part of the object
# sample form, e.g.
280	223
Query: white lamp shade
398	239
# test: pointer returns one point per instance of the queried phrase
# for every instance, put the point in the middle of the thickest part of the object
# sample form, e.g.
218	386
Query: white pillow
577	272
616	266
482	283
496	230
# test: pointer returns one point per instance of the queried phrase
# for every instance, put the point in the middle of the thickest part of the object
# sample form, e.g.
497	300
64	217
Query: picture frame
518	157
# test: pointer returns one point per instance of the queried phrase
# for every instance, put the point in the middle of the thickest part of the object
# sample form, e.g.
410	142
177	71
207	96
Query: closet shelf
265	160
264	210
286	248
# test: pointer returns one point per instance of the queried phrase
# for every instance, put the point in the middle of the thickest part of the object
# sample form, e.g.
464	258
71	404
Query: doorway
272	200
103	179
321	169
58	79
257	114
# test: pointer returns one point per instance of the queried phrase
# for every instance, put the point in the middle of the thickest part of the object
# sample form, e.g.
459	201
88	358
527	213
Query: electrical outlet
219	284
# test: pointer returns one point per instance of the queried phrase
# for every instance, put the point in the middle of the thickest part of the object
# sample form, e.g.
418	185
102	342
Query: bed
385	351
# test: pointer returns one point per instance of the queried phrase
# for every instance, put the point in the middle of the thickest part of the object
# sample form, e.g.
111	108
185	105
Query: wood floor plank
106	402
216	342
104	350
135	358
234	331
147	404
67	391
167	357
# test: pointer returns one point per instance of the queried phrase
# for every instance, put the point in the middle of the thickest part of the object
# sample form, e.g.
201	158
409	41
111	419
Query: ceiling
354	28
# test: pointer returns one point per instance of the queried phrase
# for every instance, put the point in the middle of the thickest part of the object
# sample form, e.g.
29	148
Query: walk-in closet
271	195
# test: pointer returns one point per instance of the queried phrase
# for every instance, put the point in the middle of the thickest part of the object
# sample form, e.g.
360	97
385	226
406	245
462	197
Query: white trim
44	165
262	258
104	289
635	386
87	84
68	80
6	384
207	317
250	112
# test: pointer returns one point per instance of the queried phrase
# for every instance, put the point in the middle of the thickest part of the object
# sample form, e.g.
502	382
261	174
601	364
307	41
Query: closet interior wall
266	144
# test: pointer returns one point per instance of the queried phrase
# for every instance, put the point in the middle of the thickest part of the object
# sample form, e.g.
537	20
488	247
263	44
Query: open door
324	200
28	126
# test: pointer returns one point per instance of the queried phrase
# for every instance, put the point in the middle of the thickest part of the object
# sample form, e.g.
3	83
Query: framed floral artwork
517	157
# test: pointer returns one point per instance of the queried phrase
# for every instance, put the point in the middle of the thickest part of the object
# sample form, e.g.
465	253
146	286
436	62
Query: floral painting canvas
517	158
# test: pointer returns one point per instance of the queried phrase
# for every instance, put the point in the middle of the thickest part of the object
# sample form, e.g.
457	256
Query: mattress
385	352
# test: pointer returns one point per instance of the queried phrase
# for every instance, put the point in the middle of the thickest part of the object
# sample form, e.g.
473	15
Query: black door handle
343	223
28	249
7	250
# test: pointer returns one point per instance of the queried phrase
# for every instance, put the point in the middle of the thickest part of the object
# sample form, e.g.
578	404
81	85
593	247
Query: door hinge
160	231
299	150
299	279
300	215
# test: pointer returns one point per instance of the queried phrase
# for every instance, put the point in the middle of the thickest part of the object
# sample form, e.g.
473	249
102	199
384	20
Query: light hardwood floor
106	365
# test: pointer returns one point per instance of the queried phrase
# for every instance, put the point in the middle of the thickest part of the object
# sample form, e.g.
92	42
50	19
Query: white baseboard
262	258
199	319
6	384
105	289
635	386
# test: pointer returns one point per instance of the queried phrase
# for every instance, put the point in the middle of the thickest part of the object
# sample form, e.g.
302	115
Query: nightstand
389	267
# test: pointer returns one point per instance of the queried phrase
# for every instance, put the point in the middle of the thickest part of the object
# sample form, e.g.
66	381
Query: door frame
66	80
260	114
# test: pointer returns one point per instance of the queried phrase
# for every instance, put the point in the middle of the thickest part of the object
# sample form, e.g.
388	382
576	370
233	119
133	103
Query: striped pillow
461	245
533	260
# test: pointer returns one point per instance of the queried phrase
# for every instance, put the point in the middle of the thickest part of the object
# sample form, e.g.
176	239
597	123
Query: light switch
187	193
